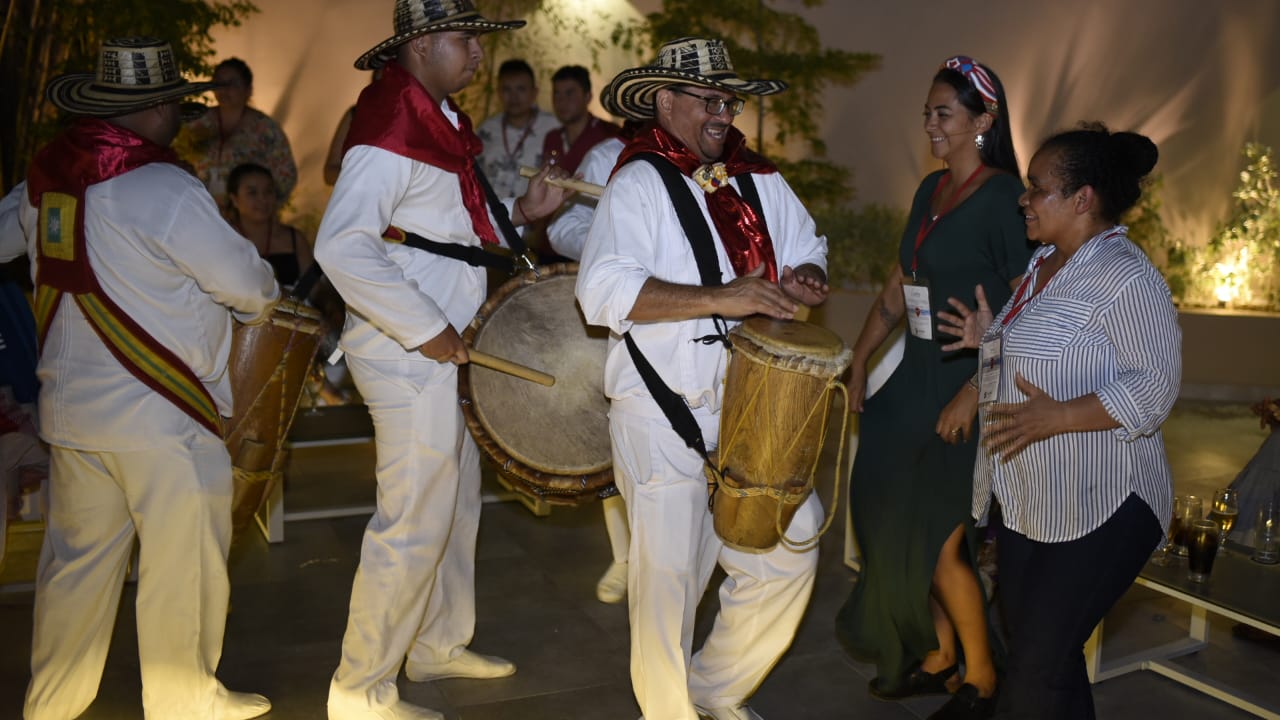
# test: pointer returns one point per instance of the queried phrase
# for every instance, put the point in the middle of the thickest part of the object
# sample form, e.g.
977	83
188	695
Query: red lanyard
927	225
1018	302
519	143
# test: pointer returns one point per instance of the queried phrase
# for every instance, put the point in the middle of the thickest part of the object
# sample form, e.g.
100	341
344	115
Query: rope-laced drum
777	401
269	366
551	442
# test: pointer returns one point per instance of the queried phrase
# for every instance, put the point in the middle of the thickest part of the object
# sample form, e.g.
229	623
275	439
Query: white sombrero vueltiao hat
133	74
687	61
419	17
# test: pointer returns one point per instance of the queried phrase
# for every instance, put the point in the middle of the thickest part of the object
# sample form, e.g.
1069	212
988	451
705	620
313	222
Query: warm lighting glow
1230	277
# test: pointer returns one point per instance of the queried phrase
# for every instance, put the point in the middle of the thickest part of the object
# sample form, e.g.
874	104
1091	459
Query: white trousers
414	592
176	498
674	550
615	523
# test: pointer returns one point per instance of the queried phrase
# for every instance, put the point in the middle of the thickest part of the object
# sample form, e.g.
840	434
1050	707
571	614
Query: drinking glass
1202	546
1267	548
1186	510
1224	510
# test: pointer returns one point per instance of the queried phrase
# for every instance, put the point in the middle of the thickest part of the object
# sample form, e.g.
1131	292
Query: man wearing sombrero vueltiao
688	174
137	279
410	163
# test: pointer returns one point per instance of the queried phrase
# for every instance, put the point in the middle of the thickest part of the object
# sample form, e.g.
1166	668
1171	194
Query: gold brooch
711	177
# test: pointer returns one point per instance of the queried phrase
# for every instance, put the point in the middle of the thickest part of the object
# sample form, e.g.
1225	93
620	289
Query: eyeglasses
716	105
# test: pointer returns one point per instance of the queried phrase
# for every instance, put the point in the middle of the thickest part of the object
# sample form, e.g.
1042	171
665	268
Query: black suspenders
695	227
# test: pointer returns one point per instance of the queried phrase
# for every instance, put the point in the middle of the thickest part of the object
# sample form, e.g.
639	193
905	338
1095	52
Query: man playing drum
137	277
688	208
410	163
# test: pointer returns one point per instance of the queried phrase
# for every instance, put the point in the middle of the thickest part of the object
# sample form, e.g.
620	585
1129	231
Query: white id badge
991	358
919	315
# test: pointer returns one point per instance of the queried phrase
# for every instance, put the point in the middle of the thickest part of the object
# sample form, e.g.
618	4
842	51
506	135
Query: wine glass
1224	510
1186	510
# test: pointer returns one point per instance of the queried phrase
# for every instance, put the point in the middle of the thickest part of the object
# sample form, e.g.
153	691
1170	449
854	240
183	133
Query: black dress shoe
966	704
917	682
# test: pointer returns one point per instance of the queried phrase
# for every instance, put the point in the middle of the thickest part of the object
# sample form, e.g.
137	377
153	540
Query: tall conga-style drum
777	402
269	366
550	443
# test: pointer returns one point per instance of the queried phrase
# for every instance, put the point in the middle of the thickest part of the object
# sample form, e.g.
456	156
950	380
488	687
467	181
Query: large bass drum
551	443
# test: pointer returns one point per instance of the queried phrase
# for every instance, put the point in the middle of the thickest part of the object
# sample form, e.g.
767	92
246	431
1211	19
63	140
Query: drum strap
475	256
695	227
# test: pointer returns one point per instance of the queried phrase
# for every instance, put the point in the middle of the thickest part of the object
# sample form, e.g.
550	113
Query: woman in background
251	192
232	133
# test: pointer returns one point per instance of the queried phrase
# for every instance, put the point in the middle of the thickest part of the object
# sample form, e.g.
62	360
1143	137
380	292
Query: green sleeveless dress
909	490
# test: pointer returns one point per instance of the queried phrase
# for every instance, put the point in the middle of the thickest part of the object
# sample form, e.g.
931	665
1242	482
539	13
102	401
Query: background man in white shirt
514	136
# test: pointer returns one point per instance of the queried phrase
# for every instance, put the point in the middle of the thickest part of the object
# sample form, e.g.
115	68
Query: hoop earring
979	141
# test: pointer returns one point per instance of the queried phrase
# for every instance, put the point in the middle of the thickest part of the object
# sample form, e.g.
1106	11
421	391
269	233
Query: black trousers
1052	596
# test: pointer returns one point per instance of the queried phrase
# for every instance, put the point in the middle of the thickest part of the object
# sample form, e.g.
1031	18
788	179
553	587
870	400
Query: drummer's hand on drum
806	284
751	294
446	347
541	199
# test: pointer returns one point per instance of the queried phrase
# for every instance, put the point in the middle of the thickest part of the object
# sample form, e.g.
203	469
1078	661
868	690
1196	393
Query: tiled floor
537	606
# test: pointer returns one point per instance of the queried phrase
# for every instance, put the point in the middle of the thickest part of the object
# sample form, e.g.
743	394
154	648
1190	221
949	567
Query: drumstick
510	368
581	186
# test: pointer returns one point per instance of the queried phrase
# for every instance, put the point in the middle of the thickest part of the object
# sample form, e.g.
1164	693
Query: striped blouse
1105	325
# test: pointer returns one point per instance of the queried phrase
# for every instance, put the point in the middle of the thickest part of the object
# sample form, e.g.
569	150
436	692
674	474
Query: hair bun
1135	154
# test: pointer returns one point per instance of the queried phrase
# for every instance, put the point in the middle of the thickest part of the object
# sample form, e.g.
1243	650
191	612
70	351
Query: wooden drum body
777	401
269	366
552	443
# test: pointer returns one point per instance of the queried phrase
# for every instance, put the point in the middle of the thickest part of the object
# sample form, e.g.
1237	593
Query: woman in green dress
910	492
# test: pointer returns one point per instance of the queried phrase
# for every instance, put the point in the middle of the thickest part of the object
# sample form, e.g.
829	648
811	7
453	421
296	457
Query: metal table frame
1240	596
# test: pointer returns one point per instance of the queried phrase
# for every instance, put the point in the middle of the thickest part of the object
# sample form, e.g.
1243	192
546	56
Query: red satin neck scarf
743	232
89	152
397	114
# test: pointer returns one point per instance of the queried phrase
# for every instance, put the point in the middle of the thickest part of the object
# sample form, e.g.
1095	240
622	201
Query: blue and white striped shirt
1105	325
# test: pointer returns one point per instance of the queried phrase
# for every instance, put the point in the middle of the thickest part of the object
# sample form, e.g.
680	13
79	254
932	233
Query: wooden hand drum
551	442
777	400
269	366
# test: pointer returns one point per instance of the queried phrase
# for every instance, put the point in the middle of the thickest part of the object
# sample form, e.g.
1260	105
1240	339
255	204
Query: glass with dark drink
1186	510
1202	547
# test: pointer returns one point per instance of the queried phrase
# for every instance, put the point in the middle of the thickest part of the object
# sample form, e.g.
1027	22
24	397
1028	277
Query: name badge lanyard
927	225
915	294
991	356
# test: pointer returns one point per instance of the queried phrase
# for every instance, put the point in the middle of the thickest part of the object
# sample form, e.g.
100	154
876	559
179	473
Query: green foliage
1148	231
862	244
551	26
1243	258
42	39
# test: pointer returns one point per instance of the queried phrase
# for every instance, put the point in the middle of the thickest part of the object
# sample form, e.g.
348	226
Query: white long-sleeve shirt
161	250
568	233
636	235
1104	325
397	297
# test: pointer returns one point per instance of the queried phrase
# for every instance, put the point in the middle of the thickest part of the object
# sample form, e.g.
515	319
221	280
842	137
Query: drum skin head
822	349
559	430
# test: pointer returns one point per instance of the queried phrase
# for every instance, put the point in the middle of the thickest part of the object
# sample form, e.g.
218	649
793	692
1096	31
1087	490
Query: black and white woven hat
419	17
133	74
687	61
